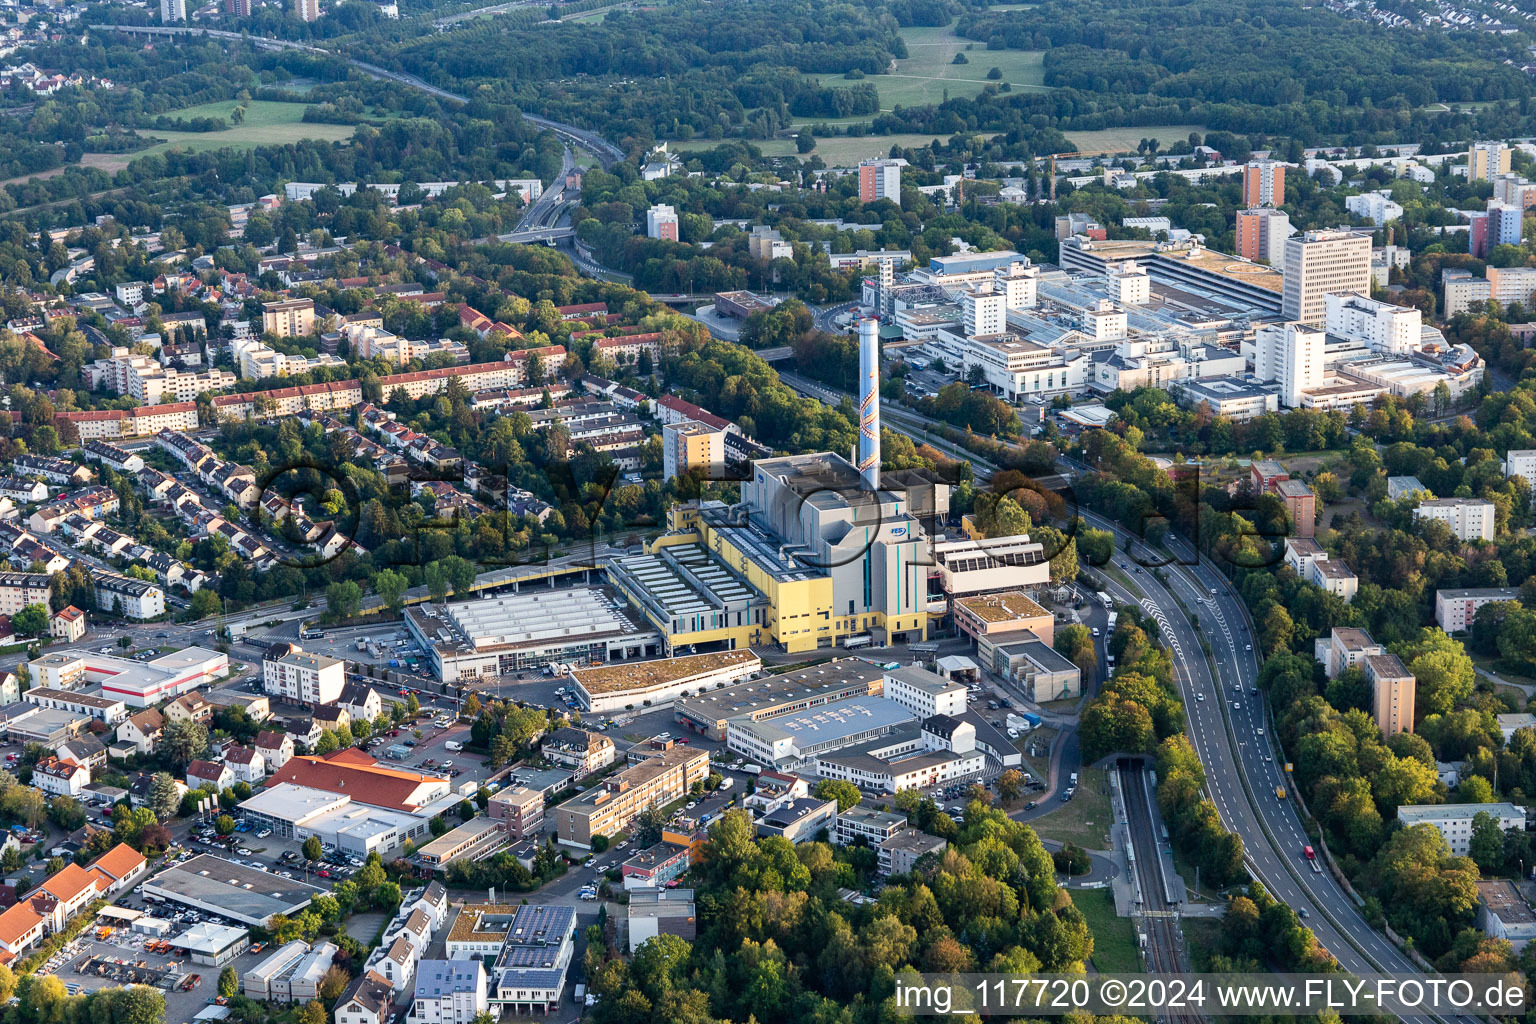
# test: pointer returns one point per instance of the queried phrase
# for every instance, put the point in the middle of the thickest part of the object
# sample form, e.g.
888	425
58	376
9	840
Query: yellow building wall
800	611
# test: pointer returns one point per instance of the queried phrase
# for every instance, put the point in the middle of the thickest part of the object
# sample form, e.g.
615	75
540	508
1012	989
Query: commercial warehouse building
340	823
474	838
231	890
138	684
623	686
792	740
507	633
773	696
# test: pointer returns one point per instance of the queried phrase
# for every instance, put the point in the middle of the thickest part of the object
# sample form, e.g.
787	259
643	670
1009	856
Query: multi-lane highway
1228	724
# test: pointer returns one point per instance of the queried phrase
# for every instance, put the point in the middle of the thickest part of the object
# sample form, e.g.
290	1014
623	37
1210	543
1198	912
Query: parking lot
271	852
123	959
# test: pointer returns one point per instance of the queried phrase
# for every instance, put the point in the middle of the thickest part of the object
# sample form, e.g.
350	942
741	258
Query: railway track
1156	912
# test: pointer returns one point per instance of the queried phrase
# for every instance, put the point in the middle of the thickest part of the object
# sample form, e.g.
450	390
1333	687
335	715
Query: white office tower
1321	262
1292	355
1105	321
885	297
1129	284
986	311
1397	330
1019	284
869	402
173	10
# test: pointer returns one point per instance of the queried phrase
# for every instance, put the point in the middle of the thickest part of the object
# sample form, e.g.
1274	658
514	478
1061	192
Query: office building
1009	611
1455	610
924	693
1019	284
1261	234
1320	262
1384	327
661	222
1263	183
1469	519
1392	693
1486	160
880	179
985	311
290	318
1454	821
1291	355
307	10
941	751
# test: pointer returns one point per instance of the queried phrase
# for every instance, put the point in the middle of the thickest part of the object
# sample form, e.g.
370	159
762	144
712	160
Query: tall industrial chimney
869	402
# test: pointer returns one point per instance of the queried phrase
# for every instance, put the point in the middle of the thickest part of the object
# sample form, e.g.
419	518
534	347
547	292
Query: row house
21	491
54	471
183	449
119	459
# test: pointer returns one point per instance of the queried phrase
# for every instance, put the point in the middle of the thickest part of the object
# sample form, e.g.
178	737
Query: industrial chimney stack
869	402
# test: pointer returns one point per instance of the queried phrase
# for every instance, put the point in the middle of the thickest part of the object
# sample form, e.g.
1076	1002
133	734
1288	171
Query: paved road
1241	772
606	152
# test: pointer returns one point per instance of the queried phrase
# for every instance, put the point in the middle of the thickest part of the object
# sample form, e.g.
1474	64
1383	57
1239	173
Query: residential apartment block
1455	609
608	808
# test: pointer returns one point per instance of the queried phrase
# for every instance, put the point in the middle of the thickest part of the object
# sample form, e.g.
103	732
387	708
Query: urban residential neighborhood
765	511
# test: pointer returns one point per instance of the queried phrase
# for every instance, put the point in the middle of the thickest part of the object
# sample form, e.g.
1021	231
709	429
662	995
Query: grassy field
769	147
1114	938
842	151
1125	140
929	71
266	123
1085	819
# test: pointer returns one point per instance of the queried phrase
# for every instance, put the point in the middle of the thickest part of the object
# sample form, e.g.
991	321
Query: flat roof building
778	695
231	890
607	688
608	808
1454	821
790	740
505	633
1456	609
